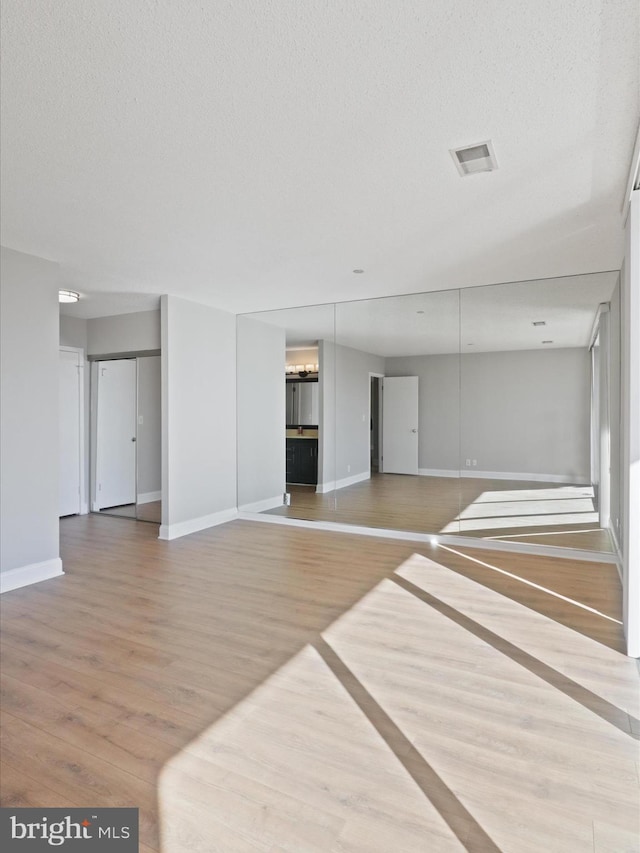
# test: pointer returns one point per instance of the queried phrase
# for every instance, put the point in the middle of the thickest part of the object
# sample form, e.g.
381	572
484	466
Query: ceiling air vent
475	158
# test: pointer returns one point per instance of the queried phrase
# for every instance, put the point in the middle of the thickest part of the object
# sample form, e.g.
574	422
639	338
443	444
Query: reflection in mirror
149	441
286	413
397	409
491	412
540	385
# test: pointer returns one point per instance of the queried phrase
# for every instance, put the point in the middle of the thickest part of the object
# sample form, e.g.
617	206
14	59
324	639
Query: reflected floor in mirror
151	511
505	510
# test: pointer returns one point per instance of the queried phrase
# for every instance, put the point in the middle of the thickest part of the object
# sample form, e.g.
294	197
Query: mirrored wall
489	412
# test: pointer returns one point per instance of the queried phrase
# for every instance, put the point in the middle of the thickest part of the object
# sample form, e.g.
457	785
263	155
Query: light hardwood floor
151	511
540	513
262	688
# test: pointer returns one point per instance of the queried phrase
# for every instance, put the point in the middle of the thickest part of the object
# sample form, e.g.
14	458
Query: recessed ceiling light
419	312
539	323
471	159
547	342
68	296
358	271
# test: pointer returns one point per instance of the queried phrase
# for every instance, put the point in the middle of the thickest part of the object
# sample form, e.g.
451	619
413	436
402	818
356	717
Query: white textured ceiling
252	154
479	319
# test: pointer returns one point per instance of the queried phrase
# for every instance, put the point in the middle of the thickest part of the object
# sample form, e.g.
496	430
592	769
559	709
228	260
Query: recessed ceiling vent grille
475	158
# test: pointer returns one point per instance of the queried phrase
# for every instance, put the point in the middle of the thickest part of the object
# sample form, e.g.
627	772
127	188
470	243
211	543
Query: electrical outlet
348	469
474	462
287	499
468	463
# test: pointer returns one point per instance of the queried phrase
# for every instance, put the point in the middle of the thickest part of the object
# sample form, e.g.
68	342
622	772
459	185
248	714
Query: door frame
79	351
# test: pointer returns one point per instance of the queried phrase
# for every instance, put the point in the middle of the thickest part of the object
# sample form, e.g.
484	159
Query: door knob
414	430
134	438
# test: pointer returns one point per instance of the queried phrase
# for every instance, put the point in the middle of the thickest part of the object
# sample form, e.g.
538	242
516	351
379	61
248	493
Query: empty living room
320	426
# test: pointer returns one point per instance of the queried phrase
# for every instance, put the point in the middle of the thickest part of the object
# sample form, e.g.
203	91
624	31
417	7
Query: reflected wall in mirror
540	391
286	411
490	412
397	410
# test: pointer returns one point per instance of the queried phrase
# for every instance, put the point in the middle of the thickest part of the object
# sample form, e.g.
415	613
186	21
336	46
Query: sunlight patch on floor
545	533
547	507
335	750
527	582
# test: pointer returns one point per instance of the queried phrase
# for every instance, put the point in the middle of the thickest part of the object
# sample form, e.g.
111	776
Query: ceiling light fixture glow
68	296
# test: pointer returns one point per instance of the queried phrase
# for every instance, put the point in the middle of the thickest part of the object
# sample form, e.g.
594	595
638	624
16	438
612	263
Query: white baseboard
193	525
262	506
33	573
569	479
323	488
148	497
332	485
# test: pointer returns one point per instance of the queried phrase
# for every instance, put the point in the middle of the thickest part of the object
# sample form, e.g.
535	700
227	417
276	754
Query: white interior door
400	425
116	433
69	437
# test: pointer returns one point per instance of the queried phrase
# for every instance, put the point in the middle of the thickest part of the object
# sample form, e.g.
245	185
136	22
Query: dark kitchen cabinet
302	461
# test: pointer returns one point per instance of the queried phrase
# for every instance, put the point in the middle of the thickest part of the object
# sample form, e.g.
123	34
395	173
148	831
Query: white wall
326	416
615	417
523	412
73	332
149	432
198	417
122	333
527	412
353	432
261	415
630	281
29	338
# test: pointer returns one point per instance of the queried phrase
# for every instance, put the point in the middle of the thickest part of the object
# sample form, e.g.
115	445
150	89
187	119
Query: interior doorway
375	422
115	484
126	438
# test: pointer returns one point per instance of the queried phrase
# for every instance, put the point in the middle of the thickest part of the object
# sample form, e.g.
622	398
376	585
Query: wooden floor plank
186	678
521	511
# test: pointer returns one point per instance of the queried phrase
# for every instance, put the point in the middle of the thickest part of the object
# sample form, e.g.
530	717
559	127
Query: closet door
116	434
